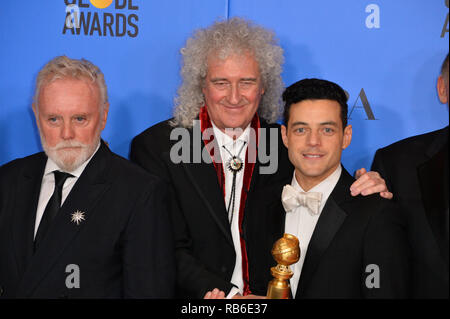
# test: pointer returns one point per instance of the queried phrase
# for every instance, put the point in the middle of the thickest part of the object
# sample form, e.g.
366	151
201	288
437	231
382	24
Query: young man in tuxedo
78	221
351	247
416	170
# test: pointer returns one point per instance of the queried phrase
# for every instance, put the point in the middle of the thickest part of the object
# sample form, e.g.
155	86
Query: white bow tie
292	198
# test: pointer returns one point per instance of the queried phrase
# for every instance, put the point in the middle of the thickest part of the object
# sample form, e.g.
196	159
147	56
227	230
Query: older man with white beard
78	221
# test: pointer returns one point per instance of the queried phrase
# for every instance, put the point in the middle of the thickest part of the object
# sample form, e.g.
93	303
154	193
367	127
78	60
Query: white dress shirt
48	186
234	147
302	223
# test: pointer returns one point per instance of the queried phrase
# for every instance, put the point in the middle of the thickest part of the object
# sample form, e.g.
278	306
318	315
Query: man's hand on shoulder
368	183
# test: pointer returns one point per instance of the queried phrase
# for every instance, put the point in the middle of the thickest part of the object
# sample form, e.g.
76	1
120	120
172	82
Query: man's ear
284	135
104	115
347	137
442	90
35	111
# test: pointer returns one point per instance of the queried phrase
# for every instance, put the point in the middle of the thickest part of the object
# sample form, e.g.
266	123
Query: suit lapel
264	148
331	219
277	222
433	180
83	197
267	145
439	141
267	217
28	189
200	176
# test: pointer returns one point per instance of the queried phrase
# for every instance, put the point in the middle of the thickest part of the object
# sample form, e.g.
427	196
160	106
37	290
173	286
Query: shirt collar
51	166
224	139
325	187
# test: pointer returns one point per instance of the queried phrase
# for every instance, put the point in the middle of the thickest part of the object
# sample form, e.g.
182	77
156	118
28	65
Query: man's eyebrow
329	123
242	79
322	123
299	123
218	79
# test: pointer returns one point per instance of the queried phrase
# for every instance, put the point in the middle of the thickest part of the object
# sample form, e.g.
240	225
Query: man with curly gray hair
222	144
231	93
234	37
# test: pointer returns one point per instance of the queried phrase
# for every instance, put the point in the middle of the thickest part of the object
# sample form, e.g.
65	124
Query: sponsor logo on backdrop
373	19
116	18
445	26
365	105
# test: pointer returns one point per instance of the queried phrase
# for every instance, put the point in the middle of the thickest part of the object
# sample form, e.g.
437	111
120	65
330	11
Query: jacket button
223	269
1	291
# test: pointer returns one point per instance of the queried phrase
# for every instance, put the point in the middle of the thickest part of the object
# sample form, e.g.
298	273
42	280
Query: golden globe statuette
285	251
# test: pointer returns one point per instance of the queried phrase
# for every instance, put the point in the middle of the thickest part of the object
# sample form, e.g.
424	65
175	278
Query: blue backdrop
386	54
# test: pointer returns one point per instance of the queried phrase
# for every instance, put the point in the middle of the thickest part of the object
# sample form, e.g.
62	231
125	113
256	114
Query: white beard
70	159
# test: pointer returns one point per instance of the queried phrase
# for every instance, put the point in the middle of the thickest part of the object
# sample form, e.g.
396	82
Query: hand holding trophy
285	251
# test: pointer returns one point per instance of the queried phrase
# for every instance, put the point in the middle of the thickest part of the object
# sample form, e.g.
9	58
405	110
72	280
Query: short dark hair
314	89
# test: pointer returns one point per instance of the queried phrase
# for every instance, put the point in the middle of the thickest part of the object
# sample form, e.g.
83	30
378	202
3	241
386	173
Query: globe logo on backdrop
101	4
120	20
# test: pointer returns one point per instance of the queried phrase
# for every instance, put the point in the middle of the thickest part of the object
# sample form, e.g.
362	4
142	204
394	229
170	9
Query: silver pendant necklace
234	165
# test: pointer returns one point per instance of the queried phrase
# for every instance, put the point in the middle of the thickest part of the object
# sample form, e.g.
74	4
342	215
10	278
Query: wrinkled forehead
67	93
53	77
69	81
243	64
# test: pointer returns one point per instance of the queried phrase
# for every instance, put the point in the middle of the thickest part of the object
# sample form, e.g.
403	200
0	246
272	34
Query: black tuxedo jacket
416	171
123	248
351	234
204	247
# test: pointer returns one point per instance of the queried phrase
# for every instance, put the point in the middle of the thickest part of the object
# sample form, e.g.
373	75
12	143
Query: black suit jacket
351	234
416	171
123	248
204	247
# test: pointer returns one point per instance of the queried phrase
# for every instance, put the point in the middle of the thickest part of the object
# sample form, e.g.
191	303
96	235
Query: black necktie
52	207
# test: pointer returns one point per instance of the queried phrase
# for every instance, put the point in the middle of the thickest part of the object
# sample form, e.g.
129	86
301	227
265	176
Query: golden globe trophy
285	251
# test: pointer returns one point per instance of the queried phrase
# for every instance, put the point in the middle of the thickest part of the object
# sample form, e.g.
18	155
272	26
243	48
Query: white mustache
66	144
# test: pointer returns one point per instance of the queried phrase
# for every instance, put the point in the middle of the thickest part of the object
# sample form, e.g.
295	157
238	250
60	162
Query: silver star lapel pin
77	217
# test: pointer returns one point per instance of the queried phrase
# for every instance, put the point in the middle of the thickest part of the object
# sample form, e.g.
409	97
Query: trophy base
279	289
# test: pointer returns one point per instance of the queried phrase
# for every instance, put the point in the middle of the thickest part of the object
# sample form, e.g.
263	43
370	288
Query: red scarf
248	172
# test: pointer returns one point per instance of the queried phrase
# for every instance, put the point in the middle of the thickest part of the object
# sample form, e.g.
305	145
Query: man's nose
313	138
234	95
67	131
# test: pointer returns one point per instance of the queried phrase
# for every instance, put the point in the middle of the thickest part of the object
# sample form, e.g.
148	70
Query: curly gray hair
224	38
